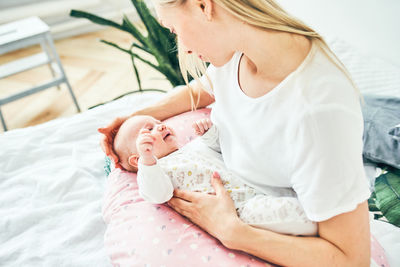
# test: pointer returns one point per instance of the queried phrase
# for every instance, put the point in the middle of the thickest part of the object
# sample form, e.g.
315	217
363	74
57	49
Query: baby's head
125	140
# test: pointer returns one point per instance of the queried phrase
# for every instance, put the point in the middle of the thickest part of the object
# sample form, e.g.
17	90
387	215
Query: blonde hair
265	14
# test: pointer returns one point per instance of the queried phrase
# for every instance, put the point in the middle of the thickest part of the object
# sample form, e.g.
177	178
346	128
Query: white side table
23	33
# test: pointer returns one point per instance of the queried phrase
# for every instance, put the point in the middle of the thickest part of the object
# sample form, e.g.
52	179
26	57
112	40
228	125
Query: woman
279	91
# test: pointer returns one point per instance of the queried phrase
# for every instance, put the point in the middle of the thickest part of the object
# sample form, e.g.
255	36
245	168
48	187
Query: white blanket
51	189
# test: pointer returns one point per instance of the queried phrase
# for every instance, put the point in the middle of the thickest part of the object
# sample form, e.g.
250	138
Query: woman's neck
272	55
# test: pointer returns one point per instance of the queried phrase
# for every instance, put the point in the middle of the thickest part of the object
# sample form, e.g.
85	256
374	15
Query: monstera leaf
387	193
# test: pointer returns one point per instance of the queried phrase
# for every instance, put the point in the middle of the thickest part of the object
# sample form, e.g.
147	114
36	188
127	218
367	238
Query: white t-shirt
306	134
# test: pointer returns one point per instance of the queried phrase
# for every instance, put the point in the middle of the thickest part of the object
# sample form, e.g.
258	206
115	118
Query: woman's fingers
180	205
102	130
107	149
107	140
118	165
104	144
210	212
185	195
112	129
217	184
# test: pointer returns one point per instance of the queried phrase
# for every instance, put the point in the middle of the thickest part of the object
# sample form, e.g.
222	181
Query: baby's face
165	141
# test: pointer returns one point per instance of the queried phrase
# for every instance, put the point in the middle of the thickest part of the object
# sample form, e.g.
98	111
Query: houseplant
156	41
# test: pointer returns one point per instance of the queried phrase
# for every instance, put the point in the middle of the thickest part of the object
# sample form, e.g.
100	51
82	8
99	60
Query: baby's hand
202	126
144	143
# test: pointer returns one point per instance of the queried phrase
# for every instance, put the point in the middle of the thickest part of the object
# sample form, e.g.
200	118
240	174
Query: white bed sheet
388	236
51	189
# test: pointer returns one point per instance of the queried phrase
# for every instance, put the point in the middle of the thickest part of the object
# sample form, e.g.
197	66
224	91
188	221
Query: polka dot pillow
143	234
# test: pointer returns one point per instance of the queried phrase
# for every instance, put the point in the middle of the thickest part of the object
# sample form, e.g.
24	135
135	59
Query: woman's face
196	32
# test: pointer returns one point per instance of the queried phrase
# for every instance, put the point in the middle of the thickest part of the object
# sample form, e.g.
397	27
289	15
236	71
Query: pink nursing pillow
142	234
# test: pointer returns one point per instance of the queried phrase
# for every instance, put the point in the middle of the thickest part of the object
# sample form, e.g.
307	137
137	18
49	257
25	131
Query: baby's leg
279	214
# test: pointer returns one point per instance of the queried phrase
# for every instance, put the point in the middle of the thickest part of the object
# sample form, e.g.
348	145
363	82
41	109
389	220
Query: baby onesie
191	168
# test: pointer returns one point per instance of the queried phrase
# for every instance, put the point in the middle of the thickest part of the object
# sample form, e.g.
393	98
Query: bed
53	181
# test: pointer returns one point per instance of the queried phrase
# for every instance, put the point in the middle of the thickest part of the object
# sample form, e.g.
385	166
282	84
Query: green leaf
145	16
129	27
387	191
131	53
94	18
161	40
372	204
145	49
136	71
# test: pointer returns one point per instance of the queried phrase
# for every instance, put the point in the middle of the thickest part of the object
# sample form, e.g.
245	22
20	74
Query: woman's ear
133	160
206	7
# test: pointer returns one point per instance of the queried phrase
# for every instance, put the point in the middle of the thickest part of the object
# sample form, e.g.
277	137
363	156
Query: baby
150	148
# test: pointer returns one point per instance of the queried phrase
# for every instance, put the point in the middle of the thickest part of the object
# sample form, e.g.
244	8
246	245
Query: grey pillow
395	132
381	132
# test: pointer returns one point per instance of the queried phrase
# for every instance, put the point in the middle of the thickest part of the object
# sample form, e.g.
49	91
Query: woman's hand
215	213
107	140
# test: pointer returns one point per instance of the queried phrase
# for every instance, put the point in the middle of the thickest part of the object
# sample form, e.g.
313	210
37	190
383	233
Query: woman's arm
176	102
343	240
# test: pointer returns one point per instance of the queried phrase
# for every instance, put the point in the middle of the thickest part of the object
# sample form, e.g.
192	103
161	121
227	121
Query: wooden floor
96	71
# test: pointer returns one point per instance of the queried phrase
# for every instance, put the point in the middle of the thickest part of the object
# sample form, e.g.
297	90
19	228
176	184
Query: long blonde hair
265	14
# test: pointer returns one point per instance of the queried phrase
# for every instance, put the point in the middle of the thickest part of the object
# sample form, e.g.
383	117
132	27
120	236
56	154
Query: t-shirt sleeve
327	172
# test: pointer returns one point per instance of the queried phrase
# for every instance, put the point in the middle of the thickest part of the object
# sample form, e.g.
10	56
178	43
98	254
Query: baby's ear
133	160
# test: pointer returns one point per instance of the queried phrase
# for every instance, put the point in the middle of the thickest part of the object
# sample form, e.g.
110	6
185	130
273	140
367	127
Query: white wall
371	25
56	13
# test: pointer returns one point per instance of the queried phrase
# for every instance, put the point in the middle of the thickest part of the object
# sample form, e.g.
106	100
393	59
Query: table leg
58	61
3	121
